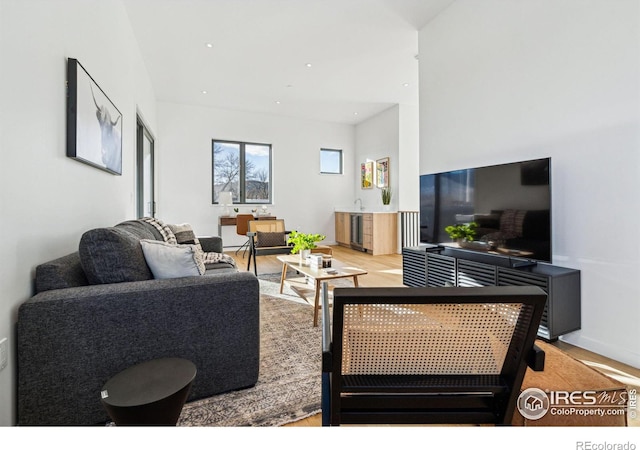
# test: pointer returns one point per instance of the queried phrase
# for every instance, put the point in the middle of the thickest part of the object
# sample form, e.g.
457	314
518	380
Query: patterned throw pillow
270	239
184	233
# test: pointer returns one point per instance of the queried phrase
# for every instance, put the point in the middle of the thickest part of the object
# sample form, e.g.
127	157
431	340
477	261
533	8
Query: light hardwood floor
386	270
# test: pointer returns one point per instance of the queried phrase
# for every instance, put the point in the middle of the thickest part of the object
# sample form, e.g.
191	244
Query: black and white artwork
94	124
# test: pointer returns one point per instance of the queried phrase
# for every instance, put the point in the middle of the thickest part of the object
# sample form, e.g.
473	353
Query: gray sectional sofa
100	310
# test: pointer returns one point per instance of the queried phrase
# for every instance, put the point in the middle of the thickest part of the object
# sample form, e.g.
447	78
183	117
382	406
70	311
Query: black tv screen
509	203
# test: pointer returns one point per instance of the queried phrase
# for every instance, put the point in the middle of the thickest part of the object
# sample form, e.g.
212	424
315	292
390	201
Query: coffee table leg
316	303
283	276
355	280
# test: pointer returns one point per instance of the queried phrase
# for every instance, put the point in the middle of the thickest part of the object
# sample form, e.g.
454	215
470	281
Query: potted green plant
462	232
303	243
386	196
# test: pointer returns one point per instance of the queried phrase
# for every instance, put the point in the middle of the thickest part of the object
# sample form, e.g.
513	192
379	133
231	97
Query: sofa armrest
211	244
71	341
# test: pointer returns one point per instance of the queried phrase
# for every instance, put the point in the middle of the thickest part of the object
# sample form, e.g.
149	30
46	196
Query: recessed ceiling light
355	113
208	45
406	85
308	64
204	92
277	102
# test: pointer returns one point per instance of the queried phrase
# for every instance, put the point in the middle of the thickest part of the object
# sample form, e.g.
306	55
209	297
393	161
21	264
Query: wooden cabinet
433	266
379	232
343	228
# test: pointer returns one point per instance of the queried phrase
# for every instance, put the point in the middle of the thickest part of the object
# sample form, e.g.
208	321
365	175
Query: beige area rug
289	385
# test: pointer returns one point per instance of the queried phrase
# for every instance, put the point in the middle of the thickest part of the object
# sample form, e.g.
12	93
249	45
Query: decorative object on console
386	196
366	175
382	173
462	232
225	198
94	124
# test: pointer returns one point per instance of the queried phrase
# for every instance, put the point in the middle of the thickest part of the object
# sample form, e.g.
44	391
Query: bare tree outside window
244	169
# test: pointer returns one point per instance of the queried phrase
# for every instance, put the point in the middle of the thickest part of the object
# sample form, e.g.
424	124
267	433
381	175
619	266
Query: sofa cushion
172	260
270	239
112	255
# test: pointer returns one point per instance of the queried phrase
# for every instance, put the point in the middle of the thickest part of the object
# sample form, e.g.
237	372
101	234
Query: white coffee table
337	270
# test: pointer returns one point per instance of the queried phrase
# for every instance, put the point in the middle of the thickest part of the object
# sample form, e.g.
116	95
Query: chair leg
255	264
245	246
326	399
252	253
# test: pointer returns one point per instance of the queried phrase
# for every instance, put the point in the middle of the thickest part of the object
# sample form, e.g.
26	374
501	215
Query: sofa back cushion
64	272
112	255
140	229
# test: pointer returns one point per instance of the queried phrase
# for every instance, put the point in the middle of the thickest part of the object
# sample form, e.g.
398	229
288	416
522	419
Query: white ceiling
362	54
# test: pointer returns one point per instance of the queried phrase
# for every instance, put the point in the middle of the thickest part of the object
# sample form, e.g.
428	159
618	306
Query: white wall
392	133
409	158
378	137
303	197
502	81
47	199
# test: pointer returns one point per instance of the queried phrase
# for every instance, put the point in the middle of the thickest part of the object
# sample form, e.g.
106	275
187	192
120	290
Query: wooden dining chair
242	228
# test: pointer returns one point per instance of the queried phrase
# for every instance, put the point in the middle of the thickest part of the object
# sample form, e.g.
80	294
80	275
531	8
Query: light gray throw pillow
171	260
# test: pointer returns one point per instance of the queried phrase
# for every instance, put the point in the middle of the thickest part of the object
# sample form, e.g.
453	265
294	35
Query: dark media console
433	265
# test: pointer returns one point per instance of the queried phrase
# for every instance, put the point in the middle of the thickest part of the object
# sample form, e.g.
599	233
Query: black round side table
149	393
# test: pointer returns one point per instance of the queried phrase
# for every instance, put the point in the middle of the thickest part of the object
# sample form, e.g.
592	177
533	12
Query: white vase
303	256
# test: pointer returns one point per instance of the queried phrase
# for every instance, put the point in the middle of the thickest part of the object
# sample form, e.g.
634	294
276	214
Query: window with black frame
244	169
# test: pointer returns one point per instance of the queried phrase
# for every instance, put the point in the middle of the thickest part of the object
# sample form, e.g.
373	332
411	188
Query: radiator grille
410	228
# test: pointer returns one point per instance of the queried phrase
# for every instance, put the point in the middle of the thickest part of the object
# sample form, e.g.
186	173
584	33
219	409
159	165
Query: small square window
330	161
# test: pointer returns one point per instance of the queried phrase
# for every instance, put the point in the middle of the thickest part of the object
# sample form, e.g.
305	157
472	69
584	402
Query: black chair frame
428	398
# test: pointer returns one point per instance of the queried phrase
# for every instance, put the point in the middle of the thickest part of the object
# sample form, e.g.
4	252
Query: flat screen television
510	205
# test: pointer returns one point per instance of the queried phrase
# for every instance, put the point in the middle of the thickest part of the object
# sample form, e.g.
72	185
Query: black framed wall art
94	124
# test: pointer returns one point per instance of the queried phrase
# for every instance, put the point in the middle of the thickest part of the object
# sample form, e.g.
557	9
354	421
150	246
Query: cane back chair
428	355
266	237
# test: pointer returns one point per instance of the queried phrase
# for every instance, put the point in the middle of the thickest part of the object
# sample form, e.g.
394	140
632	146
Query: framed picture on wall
94	124
382	172
366	175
